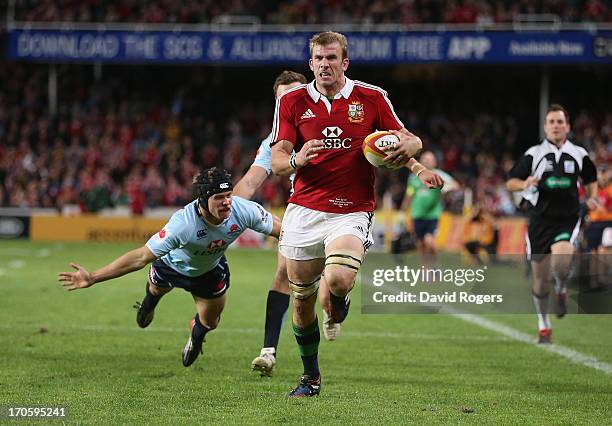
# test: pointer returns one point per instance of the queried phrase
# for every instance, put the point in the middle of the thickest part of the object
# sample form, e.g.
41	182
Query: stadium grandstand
114	141
484	12
60	122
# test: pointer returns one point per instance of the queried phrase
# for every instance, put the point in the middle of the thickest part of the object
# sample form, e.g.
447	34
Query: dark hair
557	107
288	77
209	182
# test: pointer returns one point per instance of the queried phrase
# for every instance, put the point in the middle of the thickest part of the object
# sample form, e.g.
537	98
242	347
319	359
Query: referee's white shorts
305	232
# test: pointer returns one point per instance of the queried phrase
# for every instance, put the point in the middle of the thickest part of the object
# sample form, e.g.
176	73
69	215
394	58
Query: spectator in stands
599	220
481	234
309	12
119	125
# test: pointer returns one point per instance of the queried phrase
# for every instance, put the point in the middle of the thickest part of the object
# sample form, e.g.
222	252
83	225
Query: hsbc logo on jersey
332	138
331	132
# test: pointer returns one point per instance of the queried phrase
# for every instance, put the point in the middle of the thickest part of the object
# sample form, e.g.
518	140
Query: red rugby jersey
340	179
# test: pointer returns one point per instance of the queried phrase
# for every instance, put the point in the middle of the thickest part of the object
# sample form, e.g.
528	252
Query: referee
547	175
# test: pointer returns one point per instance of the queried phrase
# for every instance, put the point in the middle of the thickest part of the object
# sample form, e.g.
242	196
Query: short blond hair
329	37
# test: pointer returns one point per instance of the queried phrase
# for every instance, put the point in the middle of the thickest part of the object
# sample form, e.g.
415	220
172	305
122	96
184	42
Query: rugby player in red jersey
279	294
327	224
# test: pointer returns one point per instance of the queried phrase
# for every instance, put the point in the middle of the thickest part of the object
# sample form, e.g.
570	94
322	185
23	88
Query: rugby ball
373	146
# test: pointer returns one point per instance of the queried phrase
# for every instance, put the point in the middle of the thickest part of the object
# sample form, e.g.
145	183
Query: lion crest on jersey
355	112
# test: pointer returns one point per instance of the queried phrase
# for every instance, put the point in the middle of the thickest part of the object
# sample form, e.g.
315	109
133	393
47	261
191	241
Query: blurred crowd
116	142
310	11
113	143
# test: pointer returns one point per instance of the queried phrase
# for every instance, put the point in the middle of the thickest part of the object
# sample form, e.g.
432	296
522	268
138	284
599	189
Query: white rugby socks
541	305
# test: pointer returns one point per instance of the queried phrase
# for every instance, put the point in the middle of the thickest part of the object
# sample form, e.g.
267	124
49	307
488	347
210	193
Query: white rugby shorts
305	232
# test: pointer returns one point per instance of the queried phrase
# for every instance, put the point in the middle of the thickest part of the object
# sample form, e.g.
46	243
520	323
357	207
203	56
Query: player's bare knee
561	263
339	280
210	323
341	268
540	287
157	291
561	271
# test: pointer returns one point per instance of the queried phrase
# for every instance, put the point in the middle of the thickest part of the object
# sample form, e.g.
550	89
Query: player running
278	296
188	253
327	224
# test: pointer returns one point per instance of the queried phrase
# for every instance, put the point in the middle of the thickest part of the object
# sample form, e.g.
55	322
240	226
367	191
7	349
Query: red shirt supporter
328	183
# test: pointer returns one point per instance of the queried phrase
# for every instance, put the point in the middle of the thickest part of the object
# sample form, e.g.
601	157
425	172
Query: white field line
16	252
507	333
16	264
19	252
568	353
44	252
153	329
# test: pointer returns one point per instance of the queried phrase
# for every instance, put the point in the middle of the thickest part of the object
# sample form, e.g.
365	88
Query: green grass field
83	350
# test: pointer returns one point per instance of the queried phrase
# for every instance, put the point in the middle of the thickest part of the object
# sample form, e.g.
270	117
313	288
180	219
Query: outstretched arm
129	262
250	182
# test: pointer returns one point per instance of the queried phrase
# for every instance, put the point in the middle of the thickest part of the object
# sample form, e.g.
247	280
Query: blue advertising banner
252	48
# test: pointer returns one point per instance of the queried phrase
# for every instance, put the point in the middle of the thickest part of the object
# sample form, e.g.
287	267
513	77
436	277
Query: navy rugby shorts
210	285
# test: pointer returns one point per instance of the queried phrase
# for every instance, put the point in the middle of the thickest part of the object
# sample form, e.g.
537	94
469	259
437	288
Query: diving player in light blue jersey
188	253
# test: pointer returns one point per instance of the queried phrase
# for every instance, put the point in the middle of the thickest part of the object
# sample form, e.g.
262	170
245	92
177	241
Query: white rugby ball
373	146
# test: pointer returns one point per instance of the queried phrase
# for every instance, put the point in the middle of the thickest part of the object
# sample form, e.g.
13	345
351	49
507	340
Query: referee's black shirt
558	170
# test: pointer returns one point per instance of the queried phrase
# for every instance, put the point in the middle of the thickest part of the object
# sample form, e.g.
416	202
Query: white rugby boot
265	362
331	329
